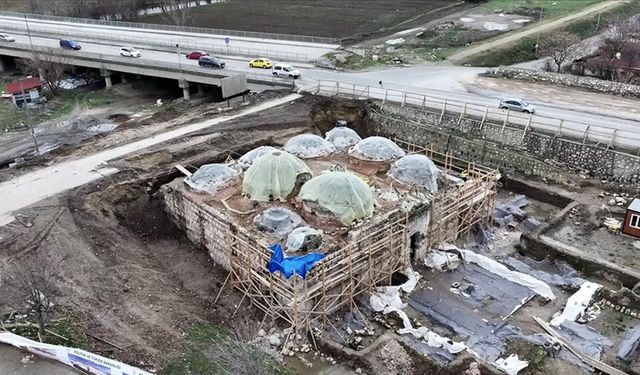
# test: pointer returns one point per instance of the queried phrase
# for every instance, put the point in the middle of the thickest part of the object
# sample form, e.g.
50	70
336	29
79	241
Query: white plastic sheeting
376	149
210	177
273	176
342	138
577	303
247	159
441	260
416	170
343	194
278	220
309	146
511	365
525	280
298	236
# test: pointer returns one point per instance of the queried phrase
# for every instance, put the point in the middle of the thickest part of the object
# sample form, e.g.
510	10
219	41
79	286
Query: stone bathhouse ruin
375	220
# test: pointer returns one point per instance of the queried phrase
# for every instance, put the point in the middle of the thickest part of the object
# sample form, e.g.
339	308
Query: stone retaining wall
583	82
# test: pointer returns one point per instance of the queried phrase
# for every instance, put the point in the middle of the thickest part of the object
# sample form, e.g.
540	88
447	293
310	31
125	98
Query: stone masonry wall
202	224
508	147
588	83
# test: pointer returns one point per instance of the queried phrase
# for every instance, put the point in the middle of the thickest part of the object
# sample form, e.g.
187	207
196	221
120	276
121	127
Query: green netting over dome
416	170
343	194
273	176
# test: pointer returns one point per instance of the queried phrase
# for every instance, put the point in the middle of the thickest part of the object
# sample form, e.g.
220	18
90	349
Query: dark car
211	61
196	55
70	44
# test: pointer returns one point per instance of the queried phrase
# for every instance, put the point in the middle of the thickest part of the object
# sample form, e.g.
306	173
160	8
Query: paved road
10	364
534	30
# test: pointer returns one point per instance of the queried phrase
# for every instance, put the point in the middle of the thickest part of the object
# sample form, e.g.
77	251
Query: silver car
517	105
6	38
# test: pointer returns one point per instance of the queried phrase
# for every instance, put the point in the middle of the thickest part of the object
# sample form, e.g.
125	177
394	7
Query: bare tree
51	68
560	47
176	12
31	283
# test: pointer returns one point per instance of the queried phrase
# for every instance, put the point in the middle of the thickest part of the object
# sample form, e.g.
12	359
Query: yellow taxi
261	63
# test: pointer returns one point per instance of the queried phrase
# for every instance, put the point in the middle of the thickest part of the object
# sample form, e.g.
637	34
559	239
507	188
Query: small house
631	224
26	90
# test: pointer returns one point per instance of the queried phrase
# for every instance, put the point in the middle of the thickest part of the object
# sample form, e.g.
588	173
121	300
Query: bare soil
327	18
126	272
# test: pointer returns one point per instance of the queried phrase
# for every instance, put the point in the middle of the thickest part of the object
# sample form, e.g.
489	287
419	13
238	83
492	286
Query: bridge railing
178	29
64	55
579	131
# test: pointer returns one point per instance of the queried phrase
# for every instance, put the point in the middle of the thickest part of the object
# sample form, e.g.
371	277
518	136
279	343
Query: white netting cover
247	159
210	177
376	149
416	170
343	194
342	137
273	176
304	239
278	220
309	146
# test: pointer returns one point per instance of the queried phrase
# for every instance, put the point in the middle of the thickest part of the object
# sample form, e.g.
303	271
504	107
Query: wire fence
66	56
158	43
178	29
580	131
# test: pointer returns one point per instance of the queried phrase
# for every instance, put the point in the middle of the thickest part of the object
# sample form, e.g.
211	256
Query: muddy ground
124	272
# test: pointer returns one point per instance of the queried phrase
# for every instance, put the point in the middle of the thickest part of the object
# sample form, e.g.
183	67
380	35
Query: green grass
66	326
523	50
551	8
536	356
213	351
101	98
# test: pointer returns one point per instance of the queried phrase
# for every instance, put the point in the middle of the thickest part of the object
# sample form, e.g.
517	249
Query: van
285	70
70	44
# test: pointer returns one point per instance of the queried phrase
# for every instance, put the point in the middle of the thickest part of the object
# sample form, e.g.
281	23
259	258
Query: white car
7	38
129	52
517	105
285	70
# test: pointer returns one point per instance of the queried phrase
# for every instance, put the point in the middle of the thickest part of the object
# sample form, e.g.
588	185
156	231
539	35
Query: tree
176	12
559	47
31	283
51	68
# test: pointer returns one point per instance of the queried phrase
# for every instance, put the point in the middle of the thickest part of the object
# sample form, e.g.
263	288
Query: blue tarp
288	266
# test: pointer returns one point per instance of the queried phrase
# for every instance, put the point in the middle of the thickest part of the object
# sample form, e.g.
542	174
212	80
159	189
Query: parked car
196	55
211	61
70	44
285	70
129	52
261	63
7	38
517	105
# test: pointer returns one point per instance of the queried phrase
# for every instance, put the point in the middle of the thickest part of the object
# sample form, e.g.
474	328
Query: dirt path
545	26
46	182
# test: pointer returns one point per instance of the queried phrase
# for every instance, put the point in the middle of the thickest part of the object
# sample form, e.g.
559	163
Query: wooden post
444	109
586	134
464	112
404	99
504	124
524	134
424	99
612	139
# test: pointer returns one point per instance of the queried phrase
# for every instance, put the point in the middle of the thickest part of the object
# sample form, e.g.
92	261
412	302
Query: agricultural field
328	18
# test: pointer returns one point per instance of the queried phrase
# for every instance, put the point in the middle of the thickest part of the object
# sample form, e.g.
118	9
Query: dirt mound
325	114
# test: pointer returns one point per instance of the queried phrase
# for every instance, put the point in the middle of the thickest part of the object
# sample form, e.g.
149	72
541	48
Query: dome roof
342	193
342	137
376	149
273	176
309	146
278	220
210	177
247	159
416	170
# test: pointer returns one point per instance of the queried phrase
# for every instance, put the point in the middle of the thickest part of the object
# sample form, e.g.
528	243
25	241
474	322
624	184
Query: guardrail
180	29
579	131
151	64
165	45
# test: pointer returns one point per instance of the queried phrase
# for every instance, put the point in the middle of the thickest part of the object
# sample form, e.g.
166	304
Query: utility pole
26	22
538	37
29	122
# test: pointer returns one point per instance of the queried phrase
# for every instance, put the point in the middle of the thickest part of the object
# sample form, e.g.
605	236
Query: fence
64	55
176	29
164	45
581	131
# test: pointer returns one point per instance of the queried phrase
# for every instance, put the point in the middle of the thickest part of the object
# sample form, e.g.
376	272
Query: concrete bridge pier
123	78
2	68
107	77
186	94
200	89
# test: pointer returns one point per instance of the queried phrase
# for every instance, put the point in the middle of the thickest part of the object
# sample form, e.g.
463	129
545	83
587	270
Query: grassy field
524	49
328	18
550	8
